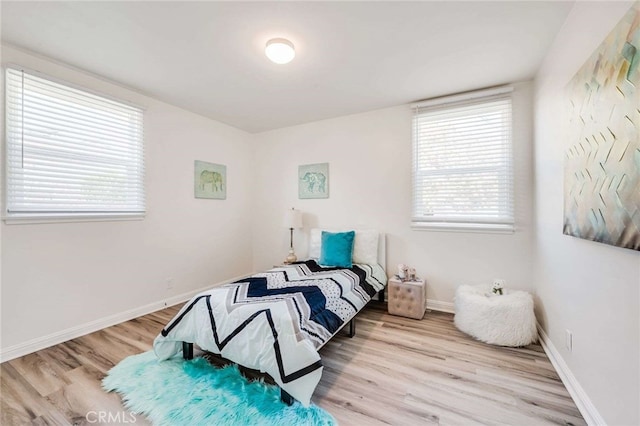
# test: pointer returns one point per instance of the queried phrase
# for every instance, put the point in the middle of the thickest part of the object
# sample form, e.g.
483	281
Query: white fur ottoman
506	320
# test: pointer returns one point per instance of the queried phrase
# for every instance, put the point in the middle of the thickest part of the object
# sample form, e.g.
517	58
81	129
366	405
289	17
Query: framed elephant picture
210	180
313	181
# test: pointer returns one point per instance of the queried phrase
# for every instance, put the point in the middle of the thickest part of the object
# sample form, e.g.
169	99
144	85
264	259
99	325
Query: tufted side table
407	298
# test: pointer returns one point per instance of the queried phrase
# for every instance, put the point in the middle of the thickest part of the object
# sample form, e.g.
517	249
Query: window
462	168
70	153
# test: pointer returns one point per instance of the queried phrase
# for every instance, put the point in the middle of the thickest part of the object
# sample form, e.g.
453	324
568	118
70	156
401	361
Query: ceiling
207	57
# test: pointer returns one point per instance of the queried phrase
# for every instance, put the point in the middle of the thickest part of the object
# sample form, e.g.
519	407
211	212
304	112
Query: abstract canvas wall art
602	165
210	180
313	181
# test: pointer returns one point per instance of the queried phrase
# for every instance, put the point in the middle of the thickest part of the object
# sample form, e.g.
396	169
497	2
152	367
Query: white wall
369	158
59	276
589	288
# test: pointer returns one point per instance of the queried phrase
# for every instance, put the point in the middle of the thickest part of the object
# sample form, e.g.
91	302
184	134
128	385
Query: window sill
26	219
483	228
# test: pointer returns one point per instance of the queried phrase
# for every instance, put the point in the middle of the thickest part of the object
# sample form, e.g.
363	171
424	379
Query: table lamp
292	220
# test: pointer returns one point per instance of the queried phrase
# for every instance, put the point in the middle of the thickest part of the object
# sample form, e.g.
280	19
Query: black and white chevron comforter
275	321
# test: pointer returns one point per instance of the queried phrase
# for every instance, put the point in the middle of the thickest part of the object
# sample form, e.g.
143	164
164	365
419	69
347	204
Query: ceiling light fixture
280	50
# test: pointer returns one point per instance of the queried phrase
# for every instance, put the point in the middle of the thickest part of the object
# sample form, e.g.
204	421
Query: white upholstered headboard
382	250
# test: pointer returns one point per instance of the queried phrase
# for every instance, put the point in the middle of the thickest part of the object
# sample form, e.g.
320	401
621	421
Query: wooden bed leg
381	295
352	327
285	397
187	350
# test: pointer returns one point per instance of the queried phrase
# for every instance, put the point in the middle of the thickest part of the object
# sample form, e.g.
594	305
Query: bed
276	321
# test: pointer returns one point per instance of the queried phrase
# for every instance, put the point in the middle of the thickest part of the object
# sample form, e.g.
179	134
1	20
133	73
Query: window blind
462	169
70	152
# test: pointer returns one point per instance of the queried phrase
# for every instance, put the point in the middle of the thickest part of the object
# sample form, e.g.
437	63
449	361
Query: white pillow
315	242
365	245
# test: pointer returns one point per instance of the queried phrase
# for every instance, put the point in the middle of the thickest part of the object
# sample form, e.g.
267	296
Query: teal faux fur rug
178	392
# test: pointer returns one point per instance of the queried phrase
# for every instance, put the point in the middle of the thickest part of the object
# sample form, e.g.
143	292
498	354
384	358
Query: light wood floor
395	371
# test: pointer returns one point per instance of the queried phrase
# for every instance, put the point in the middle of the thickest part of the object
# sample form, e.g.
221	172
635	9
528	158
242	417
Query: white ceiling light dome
280	50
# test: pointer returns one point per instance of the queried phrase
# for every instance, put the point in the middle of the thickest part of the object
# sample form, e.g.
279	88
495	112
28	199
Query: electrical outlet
568	340
169	282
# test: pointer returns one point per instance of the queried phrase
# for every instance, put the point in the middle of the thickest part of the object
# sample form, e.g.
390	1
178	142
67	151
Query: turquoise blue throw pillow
336	249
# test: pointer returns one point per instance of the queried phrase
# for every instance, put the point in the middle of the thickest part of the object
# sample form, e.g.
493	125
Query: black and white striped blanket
275	321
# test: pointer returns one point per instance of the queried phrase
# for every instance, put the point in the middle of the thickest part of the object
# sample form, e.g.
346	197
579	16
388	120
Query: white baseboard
580	397
43	342
437	305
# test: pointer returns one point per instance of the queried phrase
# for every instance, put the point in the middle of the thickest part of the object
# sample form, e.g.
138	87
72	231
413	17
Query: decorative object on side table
313	181
210	180
292	220
408	296
402	271
506	320
498	287
602	165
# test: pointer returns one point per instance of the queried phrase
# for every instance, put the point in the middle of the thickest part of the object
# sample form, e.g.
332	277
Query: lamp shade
293	219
